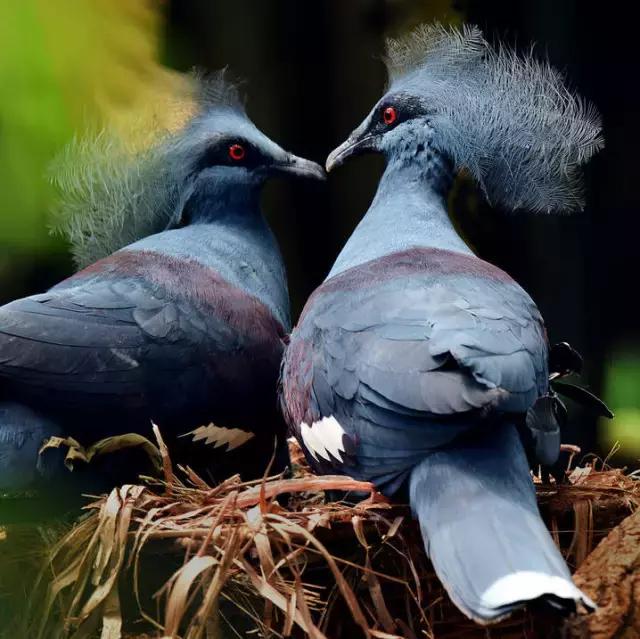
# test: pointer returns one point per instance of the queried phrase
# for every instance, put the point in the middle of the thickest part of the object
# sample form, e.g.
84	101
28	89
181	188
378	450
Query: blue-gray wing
102	341
405	365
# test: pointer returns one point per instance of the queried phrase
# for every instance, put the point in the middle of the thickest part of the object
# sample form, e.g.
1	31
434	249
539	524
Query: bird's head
221	154
510	121
113	193
398	125
225	145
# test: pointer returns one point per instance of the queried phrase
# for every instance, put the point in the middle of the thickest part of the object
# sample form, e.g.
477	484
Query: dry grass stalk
310	568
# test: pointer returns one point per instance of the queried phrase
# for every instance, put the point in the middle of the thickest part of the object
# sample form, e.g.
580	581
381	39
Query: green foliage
23	550
34	121
65	66
622	392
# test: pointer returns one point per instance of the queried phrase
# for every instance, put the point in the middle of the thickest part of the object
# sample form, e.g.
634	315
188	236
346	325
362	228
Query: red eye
236	152
389	115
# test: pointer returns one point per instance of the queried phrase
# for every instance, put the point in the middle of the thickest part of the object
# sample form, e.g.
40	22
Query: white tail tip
527	585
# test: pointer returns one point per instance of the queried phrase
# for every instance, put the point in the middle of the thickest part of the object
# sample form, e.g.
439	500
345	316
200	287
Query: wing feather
101	338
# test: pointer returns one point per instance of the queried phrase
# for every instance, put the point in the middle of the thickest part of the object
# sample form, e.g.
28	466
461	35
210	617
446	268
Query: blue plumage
418	366
184	326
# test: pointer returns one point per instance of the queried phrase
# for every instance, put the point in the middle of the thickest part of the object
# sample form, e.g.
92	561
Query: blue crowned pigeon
418	366
184	326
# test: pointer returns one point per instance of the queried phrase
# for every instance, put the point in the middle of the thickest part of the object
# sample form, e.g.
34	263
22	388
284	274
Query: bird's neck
238	244
244	250
224	202
409	210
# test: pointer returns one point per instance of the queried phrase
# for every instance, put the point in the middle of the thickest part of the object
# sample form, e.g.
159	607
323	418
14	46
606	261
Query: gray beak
360	141
297	166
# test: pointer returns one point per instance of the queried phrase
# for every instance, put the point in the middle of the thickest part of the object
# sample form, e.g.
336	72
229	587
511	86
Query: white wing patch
219	436
122	356
323	437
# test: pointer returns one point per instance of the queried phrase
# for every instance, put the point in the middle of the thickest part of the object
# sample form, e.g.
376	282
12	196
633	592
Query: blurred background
313	69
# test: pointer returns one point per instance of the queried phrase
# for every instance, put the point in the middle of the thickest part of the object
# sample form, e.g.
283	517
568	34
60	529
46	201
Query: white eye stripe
219	436
323	437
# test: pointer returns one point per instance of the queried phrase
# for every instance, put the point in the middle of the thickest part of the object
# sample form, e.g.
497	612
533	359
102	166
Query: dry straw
279	557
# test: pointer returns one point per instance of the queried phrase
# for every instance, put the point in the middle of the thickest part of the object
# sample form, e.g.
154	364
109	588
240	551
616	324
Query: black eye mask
220	153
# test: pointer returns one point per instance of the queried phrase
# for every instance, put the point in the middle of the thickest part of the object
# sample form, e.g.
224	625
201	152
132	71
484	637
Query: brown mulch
275	558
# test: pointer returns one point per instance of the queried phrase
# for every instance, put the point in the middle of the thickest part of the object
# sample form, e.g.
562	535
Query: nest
179	558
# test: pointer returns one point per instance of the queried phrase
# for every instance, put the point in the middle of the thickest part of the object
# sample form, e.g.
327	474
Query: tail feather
483	532
22	432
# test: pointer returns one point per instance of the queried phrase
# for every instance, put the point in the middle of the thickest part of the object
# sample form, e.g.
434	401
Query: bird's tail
22	433
483	532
